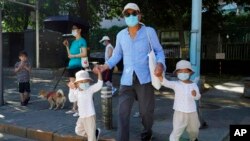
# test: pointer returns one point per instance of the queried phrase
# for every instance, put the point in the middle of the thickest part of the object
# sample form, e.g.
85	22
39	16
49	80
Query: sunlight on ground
165	93
16	106
11	91
37	80
38	130
232	87
1	135
2	116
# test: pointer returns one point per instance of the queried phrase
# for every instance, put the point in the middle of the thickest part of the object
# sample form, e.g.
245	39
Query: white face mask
104	43
183	76
84	86
74	32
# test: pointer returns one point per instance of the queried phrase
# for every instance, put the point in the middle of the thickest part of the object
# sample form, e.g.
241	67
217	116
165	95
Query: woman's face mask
132	20
74	32
84	86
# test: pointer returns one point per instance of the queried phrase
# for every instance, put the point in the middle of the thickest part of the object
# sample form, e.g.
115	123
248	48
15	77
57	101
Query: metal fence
236	51
233	51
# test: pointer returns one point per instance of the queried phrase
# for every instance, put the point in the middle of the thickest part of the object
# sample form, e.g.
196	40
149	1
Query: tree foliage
18	17
166	14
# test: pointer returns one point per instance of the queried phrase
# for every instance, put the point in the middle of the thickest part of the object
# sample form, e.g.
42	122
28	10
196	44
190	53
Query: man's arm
159	53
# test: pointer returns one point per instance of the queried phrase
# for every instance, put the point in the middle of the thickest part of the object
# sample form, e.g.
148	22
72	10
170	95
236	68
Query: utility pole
37	34
195	44
1	61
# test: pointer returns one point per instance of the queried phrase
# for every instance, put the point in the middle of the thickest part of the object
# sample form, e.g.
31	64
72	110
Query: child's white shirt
84	99
183	101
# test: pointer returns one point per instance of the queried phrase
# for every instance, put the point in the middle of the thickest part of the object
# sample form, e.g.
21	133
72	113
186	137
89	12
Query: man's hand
159	69
104	67
97	69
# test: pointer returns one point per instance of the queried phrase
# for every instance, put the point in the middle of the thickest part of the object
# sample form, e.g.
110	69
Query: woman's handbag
84	61
152	65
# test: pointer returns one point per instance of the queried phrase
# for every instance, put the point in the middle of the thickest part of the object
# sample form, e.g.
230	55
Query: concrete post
195	44
37	34
106	98
195	51
1	61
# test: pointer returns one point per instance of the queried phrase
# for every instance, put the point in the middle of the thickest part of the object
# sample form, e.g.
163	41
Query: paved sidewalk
222	105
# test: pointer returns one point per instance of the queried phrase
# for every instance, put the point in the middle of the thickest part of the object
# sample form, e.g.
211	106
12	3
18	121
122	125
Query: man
132	44
107	74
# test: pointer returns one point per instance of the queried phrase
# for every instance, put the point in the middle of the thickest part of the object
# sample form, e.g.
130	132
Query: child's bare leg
22	97
26	95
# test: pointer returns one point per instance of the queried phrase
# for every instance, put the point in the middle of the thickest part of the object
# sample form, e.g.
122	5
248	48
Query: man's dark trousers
144	93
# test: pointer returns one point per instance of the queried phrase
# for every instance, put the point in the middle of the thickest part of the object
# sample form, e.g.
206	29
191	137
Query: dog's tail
59	92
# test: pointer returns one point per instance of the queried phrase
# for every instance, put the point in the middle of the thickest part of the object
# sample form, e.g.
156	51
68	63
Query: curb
41	135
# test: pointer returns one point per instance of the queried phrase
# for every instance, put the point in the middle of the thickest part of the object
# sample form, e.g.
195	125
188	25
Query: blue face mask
183	76
84	86
131	20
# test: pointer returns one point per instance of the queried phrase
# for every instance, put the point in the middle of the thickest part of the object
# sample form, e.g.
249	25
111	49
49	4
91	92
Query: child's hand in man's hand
193	93
96	69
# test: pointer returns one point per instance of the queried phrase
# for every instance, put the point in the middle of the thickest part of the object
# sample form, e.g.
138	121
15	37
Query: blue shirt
75	48
135	54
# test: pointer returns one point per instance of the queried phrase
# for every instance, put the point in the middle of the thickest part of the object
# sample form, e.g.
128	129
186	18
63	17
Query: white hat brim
77	80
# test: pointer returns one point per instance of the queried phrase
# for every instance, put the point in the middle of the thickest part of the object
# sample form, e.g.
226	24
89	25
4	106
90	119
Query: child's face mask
183	76
84	86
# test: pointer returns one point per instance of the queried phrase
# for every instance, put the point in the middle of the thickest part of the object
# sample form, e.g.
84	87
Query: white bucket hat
82	75
183	64
132	6
104	38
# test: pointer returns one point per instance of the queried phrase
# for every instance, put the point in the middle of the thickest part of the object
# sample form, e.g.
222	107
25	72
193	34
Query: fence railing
236	51
233	51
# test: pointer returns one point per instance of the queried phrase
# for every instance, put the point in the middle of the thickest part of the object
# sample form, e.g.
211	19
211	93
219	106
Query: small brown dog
54	98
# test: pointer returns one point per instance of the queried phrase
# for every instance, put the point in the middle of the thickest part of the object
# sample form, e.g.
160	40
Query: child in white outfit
186	92
82	92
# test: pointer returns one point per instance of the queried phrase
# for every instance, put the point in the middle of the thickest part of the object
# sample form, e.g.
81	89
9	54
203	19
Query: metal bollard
106	95
246	92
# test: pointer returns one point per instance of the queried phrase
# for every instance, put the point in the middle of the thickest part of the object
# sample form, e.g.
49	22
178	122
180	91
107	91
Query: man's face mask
131	19
104	43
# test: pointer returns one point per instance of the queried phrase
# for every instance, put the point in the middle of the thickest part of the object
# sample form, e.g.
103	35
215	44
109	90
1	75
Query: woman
76	50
